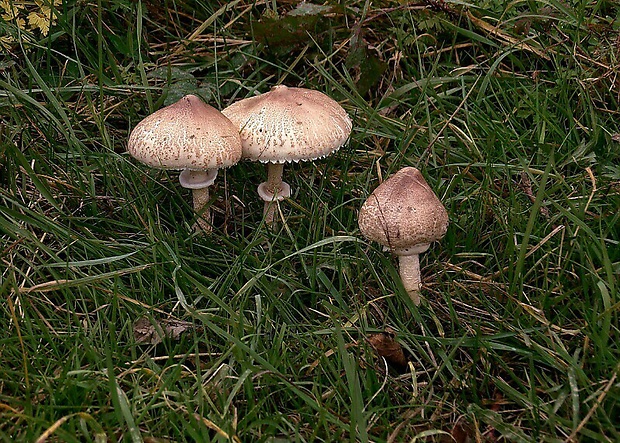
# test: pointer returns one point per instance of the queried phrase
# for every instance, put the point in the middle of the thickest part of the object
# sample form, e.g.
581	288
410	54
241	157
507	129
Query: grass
510	111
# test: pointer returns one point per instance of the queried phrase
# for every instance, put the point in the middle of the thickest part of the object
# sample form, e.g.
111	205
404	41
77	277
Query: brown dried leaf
387	347
153	332
461	433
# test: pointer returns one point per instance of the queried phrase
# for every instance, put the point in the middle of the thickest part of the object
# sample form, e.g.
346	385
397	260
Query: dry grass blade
507	39
209	424
597	404
100	436
56	285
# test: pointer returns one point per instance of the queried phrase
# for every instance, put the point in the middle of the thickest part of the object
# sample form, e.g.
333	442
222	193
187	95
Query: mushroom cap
188	134
289	124
403	213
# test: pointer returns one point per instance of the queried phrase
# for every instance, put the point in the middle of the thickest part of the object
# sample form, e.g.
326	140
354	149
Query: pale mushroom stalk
274	177
201	199
273	191
199	182
409	270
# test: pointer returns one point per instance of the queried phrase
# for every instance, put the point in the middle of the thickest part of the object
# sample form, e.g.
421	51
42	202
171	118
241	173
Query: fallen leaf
387	347
461	433
152	332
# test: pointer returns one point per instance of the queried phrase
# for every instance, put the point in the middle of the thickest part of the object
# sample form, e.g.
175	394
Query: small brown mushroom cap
403	213
289	124
188	134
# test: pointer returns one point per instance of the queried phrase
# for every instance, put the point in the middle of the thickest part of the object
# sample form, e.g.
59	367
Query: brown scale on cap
188	134
404	214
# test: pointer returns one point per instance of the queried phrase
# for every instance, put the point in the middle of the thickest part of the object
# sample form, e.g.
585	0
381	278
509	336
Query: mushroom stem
201	199
273	185
269	212
274	177
273	190
199	182
409	268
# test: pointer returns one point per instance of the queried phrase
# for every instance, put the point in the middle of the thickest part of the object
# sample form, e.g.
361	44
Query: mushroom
285	125
404	214
192	136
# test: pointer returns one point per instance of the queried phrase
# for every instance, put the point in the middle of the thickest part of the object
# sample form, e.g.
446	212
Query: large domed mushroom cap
403	213
188	134
289	124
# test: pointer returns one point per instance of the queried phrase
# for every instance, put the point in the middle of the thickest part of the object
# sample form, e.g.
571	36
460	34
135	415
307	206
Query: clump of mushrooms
192	136
287	125
404	214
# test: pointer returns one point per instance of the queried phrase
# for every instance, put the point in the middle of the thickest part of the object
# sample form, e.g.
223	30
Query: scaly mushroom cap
289	124
188	134
403	212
